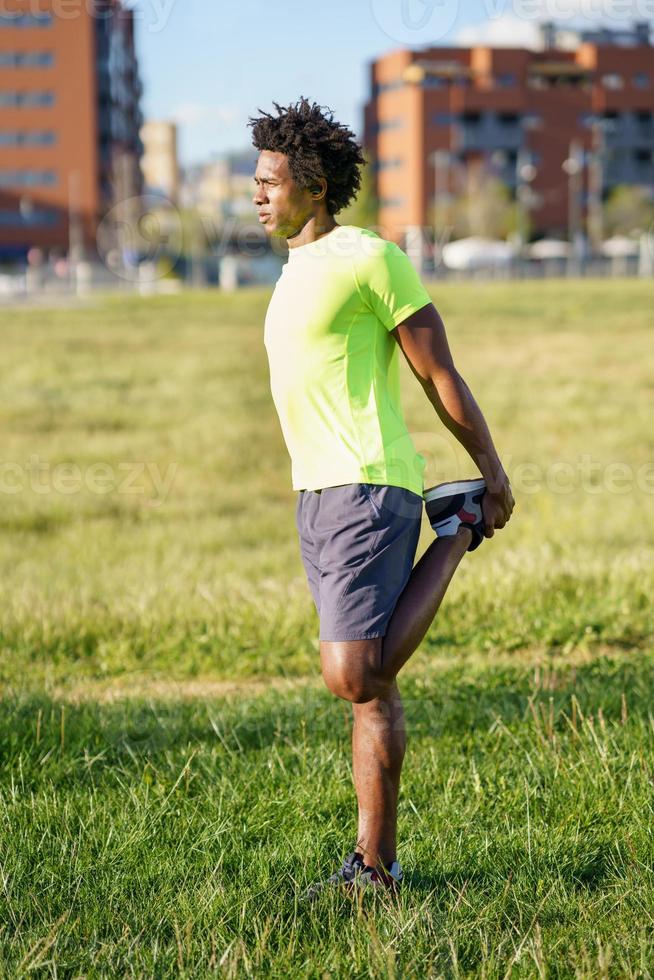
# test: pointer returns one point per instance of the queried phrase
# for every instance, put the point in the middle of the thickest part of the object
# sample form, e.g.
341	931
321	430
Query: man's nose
259	196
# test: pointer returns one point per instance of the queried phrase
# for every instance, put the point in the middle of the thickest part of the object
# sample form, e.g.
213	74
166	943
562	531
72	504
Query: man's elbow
443	378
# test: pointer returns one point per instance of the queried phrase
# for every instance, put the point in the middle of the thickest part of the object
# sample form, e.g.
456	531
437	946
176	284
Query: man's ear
319	189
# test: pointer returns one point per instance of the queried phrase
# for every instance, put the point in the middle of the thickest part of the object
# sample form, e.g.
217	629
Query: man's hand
497	507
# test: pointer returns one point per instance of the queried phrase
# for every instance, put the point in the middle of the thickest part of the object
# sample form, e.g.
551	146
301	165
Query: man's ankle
373	861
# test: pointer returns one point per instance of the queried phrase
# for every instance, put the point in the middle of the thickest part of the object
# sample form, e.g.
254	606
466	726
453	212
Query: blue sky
209	64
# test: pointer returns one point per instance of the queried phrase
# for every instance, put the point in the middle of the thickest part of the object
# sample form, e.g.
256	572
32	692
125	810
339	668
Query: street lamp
499	159
26	208
599	128
525	173
441	159
573	167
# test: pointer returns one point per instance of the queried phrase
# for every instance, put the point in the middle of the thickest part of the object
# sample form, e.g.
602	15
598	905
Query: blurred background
172	767
499	141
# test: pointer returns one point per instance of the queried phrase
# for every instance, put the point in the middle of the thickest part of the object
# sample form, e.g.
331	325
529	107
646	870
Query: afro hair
316	146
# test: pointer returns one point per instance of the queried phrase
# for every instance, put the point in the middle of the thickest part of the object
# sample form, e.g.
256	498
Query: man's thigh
358	543
368	536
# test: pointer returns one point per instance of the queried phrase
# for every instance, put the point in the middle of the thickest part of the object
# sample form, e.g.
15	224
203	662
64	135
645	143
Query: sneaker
452	505
345	876
390	879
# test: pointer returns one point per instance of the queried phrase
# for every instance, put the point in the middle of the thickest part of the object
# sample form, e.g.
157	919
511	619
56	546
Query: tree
364	209
486	208
628	209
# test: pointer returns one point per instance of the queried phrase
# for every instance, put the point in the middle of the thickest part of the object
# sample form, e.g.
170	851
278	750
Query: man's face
283	207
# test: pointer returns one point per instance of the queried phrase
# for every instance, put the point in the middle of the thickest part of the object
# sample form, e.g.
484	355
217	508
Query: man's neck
314	229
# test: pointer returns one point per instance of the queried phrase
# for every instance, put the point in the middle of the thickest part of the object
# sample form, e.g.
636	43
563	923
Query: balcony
490	131
628	167
627	129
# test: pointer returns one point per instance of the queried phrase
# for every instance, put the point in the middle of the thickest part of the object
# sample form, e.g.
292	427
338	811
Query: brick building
517	113
69	121
160	163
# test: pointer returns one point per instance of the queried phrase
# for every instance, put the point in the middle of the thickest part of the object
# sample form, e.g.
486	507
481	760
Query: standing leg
364	672
378	746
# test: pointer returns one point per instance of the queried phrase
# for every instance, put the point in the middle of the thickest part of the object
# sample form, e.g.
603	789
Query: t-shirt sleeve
389	284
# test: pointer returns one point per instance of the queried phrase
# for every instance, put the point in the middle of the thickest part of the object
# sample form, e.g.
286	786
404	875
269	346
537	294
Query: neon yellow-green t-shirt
334	365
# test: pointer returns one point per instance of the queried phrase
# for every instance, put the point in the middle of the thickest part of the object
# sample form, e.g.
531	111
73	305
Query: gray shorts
358	542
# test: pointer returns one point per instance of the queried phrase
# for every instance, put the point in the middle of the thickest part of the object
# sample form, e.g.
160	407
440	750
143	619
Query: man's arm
423	341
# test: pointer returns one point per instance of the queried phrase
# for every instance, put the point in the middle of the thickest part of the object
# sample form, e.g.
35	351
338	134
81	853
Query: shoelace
352	864
351	867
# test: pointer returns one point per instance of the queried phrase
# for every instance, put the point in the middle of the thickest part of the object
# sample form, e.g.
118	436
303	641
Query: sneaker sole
449	489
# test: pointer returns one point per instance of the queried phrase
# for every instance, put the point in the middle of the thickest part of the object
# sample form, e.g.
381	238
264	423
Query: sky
210	64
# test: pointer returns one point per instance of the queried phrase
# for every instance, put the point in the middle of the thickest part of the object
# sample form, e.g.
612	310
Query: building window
641	80
444	118
392	202
532	120
384	124
434	82
26	59
506	80
507	118
613	81
26	98
36	59
44	137
37	98
25	20
380	87
389	163
27	137
27	178
38	216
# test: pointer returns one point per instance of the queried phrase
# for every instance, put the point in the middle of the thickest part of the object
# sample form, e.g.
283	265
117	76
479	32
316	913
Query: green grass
173	772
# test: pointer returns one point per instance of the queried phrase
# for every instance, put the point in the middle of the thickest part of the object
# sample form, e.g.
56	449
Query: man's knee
355	689
350	669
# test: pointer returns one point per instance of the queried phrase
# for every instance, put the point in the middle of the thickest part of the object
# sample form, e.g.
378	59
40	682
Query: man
345	303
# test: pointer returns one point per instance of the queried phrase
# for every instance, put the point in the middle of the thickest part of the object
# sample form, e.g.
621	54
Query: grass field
173	773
